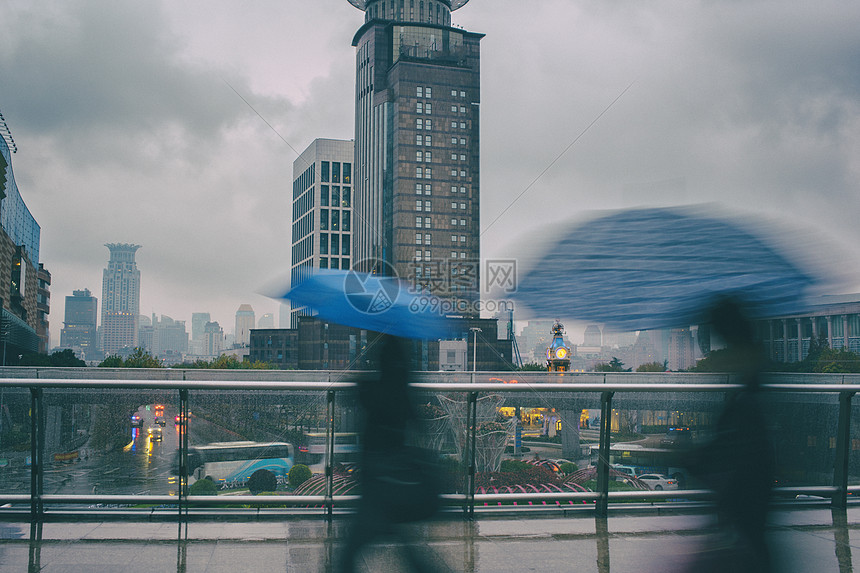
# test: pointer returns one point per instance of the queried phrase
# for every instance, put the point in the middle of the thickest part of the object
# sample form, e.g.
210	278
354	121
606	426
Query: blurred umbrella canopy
643	269
368	301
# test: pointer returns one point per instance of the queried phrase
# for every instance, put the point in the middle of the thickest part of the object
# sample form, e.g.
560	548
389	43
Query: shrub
568	468
262	480
298	475
509	466
203	487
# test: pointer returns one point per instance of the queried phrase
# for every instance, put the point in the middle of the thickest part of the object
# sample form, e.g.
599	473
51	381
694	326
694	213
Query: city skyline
751	107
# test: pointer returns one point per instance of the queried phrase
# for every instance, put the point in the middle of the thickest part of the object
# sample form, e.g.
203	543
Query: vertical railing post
329	454
603	457
37	451
843	443
471	439
183	454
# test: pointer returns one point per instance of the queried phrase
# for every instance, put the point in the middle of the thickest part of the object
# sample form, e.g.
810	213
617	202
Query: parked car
658	482
677	438
630	471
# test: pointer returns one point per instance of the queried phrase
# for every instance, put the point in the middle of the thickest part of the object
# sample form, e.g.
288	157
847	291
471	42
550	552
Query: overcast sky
128	128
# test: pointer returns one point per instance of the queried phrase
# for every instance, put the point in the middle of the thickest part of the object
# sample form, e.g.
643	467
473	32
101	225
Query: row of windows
340	220
456	124
302	205
456	109
423	221
340	196
460	238
423	123
423	173
425	108
303	227
334	263
425	189
462	141
454	93
303	181
426	255
423	156
425	206
334	244
425	140
422	239
334	171
422	91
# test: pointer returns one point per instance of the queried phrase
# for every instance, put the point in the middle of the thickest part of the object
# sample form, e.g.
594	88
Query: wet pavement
802	540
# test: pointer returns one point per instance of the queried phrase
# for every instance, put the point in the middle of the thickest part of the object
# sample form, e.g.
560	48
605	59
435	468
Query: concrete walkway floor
802	540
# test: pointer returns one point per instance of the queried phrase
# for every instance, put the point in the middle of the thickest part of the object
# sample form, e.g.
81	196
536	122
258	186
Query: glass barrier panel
14	441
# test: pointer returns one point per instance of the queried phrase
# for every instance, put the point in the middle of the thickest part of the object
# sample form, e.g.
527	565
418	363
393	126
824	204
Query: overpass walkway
812	538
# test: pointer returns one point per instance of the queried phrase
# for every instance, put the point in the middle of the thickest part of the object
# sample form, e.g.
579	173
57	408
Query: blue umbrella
644	269
372	302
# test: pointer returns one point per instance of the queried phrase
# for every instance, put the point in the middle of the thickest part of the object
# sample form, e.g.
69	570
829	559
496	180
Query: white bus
235	462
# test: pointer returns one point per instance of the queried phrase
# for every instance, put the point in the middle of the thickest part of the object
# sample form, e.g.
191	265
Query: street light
476	330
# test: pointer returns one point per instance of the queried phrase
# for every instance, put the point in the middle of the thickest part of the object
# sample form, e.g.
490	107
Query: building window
347	173
323	262
418	205
418	188
427	171
417	255
453	254
462	125
324	171
323	243
335	172
462	255
333	263
427	157
463	222
462	94
462	157
453	157
324	195
345	197
453	125
462	238
453	109
462	109
427	140
427	189
335	219
426	222
462	173
419	123
344	246
419	107
418	222
335	196
428	108
453	238
419	91
347	224
426	238
462	189
427	123
462	141
453	141
427	205
419	172
453	93
454	222
453	204
419	156
324	219
429	91
463	206
418	140
453	173
418	238
453	188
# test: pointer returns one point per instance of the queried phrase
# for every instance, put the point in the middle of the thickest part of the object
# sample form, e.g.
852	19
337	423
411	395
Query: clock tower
558	355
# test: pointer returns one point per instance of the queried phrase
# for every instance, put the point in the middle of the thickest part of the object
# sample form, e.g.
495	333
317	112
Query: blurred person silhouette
737	464
397	481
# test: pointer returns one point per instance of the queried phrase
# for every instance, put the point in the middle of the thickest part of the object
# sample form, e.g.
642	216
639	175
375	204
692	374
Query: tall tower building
245	321
79	324
322	210
120	299
417	183
198	322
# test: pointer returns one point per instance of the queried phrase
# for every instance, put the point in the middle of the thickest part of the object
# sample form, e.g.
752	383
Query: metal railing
44	507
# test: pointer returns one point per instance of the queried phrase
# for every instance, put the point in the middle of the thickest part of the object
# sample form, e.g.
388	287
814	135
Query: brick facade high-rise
417	177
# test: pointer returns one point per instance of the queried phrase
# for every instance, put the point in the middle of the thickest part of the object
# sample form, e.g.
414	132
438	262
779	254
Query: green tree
839	361
140	358
60	358
112	361
614	365
532	367
653	367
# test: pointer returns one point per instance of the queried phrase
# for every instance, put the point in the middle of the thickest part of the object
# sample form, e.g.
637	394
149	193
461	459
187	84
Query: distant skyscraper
213	339
120	299
79	325
170	338
266	321
198	322
245	321
322	210
417	159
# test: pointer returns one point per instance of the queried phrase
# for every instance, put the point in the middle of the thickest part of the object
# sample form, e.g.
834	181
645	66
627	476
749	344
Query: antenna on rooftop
6	134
